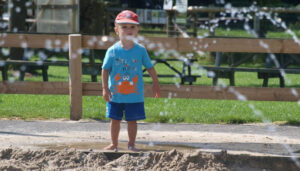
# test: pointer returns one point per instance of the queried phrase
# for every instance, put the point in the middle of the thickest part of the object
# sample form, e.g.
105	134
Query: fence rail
250	45
76	89
168	91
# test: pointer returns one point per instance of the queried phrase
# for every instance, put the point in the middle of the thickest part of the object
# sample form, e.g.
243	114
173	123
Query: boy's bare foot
111	147
133	148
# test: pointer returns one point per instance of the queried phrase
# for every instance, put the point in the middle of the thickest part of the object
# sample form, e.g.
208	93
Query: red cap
127	17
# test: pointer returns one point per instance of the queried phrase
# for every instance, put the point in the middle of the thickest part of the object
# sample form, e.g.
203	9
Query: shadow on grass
236	120
293	122
244	121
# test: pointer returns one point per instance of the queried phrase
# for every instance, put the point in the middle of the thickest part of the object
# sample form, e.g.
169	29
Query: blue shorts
132	111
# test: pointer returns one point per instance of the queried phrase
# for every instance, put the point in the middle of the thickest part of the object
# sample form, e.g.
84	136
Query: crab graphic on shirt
124	86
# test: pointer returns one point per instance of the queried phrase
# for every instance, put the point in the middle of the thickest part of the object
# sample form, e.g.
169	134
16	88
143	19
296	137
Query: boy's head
127	24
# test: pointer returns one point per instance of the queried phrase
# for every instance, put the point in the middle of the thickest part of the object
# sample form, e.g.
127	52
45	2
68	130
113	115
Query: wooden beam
156	43
227	93
75	85
211	92
167	91
98	42
24	87
249	45
33	41
92	89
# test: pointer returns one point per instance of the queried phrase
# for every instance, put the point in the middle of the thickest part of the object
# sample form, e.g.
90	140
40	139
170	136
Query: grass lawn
162	110
158	110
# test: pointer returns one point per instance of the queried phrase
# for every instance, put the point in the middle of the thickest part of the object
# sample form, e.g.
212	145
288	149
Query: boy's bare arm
105	90
154	77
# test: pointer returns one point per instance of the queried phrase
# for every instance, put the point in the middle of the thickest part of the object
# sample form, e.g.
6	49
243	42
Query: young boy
122	79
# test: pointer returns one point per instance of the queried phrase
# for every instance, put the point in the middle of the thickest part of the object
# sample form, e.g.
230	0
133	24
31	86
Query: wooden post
75	84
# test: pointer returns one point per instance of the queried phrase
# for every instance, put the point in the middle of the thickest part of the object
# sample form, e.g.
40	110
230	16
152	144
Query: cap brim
127	22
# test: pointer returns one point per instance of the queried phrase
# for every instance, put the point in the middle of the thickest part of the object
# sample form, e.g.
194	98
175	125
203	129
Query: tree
17	23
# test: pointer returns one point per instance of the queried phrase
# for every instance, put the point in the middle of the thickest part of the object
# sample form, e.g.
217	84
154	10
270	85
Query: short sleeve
146	60
107	63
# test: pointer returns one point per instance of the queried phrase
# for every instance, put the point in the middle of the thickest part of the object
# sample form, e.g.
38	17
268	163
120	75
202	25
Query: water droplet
42	55
28	4
57	42
18	9
151	46
66	47
151	144
39	62
5	51
79	51
54	59
48	44
2	63
170	95
228	7
28	54
12	79
100	43
211	74
24	45
104	38
16	74
91	42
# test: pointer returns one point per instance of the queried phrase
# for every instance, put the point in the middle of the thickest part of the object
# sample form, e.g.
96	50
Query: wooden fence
76	89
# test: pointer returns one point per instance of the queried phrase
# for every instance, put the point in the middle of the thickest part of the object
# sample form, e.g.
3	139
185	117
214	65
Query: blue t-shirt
126	73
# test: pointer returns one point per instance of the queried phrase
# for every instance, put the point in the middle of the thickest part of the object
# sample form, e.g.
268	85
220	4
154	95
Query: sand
68	145
18	159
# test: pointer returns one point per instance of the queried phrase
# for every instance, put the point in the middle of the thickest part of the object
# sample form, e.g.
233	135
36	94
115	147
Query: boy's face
127	30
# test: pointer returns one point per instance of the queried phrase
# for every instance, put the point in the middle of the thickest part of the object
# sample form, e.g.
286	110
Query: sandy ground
92	136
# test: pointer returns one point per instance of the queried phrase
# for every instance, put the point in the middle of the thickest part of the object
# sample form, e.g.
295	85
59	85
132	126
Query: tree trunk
17	23
92	17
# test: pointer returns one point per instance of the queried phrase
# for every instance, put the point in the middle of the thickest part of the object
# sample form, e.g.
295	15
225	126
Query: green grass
158	110
219	111
162	110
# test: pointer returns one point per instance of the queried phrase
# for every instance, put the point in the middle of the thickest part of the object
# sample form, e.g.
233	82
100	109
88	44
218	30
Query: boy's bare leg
132	131
114	133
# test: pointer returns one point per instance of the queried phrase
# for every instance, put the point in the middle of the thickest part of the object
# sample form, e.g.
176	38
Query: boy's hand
155	87
156	90
106	95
